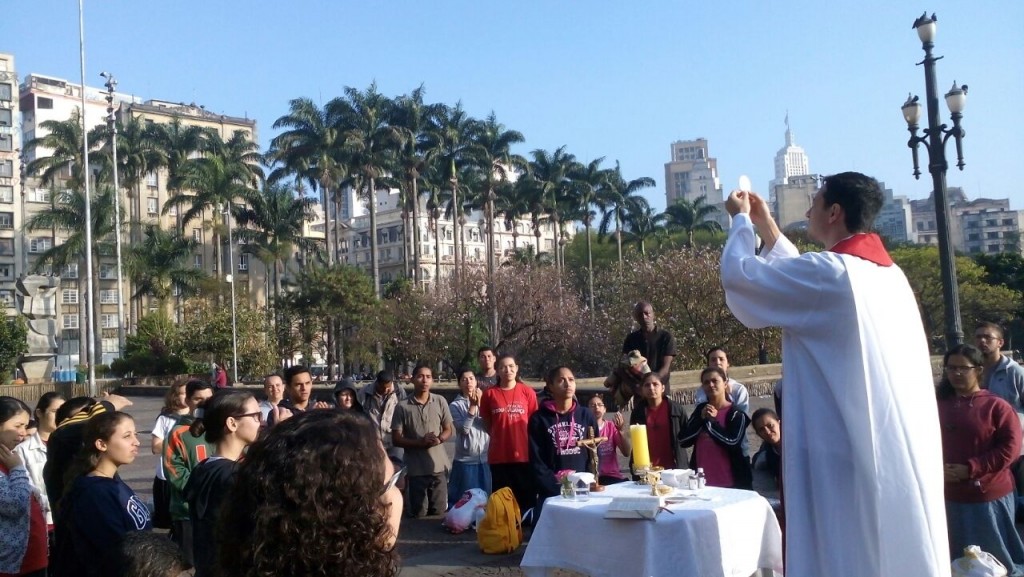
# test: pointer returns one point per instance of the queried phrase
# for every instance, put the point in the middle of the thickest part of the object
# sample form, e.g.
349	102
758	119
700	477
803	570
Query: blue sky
605	78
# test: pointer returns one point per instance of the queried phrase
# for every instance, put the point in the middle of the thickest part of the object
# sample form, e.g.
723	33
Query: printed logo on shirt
139	512
564	436
513	410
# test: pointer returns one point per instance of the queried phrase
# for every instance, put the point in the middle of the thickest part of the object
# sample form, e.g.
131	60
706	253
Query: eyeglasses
257	415
393	480
960	370
987	338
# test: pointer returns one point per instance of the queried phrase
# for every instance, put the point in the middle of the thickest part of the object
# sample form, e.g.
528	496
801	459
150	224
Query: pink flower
562	475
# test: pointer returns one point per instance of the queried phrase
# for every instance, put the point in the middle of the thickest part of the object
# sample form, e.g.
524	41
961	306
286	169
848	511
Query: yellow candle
641	454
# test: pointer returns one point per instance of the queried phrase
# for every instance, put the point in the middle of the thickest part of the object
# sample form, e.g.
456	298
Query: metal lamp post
111	85
90	320
231	285
934	141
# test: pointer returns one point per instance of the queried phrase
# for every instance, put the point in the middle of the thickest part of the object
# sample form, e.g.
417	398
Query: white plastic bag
463	515
977	563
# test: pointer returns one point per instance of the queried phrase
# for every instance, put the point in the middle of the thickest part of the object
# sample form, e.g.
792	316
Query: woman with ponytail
99	508
231	421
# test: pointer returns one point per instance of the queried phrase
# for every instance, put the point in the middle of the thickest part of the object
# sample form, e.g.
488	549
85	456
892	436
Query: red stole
867	246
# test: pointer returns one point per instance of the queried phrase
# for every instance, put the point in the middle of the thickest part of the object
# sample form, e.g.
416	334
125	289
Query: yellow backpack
501	529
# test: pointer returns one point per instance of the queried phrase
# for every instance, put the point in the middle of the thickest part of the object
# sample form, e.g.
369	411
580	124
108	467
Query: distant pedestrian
656	345
273	388
174	407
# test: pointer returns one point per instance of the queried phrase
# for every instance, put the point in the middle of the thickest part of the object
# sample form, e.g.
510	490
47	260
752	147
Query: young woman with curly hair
315	497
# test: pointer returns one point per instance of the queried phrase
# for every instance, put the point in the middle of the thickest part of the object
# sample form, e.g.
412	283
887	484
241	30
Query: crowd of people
276	486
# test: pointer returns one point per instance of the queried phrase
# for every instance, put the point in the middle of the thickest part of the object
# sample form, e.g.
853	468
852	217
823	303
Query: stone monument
37	302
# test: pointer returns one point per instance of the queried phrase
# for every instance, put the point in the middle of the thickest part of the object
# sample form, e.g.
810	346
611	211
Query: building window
151	206
7	246
990	222
69	321
197	234
6	114
70	271
6	271
6	220
108	297
993	248
7	168
69	296
44	103
6	142
110	345
5	91
172	210
197	261
973	236
39	195
151	180
7	298
6	193
991	235
1007	222
243	263
37	245
108	271
108	321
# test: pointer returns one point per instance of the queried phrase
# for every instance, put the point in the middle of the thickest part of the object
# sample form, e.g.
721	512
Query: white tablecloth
733	535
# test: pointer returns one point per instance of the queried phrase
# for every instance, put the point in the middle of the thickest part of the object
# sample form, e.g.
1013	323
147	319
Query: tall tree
619	199
642	224
223	176
370	143
452	135
589	181
690	216
67	215
160	266
64	139
270	226
492	152
311	149
550	170
411	119
513	204
178	143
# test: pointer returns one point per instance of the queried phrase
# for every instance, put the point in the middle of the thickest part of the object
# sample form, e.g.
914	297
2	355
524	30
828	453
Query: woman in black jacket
715	430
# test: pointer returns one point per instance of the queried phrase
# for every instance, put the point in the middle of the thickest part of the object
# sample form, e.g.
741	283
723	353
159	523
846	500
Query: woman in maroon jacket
981	438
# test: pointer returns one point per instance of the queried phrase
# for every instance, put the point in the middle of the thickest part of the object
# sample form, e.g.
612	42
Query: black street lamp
934	141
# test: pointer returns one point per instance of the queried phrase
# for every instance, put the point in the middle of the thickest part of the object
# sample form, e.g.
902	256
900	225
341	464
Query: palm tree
369	143
178	143
452	135
311	149
411	118
513	204
432	178
642	224
551	173
159	266
67	215
589	181
690	216
492	152
619	199
224	175
271	228
64	139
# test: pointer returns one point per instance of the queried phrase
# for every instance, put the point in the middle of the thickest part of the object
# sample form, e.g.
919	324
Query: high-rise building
790	160
983	225
10	180
692	173
894	217
791	199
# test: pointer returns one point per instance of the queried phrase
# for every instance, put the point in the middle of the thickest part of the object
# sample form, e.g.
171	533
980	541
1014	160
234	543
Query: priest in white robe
862	460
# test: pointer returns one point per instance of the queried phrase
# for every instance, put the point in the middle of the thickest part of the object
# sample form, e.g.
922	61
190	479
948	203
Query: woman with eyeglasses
315	496
614	429
231	421
981	438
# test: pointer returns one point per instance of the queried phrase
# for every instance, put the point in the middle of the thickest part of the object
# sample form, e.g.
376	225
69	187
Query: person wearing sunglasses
322	474
231	421
981	439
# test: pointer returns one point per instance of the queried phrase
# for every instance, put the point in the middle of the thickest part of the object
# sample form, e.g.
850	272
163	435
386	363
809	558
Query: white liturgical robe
862	456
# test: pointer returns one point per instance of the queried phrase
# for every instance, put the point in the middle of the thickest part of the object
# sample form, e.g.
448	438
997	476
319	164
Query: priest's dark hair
969	352
859	195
